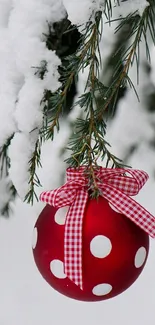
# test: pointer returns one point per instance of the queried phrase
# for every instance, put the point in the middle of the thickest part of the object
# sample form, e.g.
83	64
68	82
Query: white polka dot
100	246
140	257
60	215
34	238
57	268
102	289
113	208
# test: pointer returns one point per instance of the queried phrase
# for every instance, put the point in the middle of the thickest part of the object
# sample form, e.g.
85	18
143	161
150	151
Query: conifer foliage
47	79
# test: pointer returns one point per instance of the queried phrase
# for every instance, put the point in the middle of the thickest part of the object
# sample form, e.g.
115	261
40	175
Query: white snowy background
25	298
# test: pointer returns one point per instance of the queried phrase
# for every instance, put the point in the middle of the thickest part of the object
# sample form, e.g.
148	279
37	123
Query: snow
28	113
25	297
84	10
5	7
27	23
5	193
126	7
9	86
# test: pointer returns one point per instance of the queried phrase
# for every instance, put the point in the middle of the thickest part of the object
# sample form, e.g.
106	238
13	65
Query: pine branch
138	31
64	38
55	102
4	159
41	71
6	208
88	141
34	180
54	105
4	173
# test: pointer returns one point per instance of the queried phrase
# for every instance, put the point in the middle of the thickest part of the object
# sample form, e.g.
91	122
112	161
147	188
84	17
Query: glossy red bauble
114	251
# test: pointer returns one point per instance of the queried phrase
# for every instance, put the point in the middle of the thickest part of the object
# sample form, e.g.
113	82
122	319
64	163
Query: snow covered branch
39	72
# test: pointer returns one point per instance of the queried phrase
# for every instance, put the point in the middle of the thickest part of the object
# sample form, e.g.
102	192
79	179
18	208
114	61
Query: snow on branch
85	9
28	23
35	82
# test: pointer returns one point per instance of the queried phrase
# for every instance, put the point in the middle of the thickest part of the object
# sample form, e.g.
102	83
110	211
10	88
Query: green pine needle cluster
34	181
87	144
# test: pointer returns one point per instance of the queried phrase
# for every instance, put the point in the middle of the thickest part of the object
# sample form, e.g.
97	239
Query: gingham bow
115	186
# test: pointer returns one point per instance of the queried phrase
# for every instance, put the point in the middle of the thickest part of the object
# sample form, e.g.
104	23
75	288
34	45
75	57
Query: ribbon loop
118	178
64	195
116	185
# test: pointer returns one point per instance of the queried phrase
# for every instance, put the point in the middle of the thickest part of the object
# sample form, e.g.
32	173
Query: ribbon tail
73	239
131	209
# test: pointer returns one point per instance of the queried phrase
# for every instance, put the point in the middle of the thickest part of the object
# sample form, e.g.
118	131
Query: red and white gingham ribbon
116	185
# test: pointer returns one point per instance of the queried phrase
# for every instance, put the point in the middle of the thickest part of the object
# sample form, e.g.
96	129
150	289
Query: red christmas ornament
114	251
114	248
